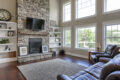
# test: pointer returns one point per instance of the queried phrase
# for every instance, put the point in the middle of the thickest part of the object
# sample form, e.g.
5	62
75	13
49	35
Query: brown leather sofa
98	71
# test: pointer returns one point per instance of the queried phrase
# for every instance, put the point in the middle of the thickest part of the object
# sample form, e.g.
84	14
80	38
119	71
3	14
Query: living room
59	40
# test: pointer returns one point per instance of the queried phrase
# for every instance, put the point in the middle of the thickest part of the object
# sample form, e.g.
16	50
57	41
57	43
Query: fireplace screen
35	45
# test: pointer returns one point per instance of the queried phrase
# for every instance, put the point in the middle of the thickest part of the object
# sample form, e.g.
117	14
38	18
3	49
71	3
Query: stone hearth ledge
32	57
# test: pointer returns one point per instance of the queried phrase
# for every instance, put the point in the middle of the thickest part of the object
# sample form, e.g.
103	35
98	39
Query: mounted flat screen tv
35	24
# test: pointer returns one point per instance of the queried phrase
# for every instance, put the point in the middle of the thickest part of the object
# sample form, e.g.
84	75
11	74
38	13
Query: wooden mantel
30	32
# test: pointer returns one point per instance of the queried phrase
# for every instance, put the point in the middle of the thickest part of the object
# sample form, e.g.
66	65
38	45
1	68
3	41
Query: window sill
86	17
66	47
110	12
66	21
87	49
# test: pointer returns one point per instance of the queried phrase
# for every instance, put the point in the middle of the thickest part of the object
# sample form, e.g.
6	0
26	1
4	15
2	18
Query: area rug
48	70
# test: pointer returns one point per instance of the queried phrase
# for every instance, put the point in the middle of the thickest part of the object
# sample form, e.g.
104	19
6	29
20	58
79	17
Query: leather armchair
109	53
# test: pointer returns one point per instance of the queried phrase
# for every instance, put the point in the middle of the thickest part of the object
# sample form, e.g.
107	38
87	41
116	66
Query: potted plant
3	41
55	34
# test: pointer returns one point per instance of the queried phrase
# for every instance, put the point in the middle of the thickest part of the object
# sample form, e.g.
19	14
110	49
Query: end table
89	56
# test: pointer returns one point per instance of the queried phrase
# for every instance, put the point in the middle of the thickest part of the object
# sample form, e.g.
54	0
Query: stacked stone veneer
35	9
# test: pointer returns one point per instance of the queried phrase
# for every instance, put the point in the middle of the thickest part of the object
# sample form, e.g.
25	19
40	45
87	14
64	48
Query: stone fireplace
35	9
35	45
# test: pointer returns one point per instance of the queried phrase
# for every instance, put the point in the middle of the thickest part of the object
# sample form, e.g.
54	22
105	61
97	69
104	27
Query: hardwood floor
9	71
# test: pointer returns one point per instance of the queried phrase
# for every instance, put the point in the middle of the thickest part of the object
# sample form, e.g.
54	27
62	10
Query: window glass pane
67	12
114	30
67	37
112	34
109	40
109	34
111	5
86	37
85	8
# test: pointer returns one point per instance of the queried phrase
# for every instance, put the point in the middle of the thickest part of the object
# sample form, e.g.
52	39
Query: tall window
85	37
85	8
67	37
112	34
67	12
111	5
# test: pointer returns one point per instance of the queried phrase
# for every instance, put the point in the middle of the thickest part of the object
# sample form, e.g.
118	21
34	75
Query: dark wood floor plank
9	71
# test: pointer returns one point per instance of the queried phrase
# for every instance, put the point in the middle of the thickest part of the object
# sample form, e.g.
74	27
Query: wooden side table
89	56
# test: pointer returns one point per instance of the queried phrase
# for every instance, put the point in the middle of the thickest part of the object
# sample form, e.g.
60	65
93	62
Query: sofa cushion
104	59
78	74
100	64
86	76
95	70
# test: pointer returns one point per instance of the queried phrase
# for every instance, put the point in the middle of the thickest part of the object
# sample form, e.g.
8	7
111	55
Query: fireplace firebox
35	45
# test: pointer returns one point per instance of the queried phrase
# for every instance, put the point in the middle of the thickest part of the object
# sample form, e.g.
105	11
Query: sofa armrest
63	77
104	59
103	55
97	53
114	76
111	66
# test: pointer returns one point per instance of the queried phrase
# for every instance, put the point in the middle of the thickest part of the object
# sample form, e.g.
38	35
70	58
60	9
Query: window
85	37
85	8
111	5
112	34
67	37
67	12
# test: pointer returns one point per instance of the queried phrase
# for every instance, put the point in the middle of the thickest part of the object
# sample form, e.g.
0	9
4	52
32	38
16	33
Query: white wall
10	5
54	10
99	19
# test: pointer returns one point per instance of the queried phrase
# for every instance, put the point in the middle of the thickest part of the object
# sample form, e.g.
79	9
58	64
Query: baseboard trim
5	60
77	55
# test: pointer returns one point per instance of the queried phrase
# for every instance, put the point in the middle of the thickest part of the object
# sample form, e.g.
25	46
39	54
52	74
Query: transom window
67	37
85	37
85	8
112	34
111	5
67	12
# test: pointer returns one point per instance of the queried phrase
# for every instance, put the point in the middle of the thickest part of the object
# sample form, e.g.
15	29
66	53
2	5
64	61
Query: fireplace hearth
35	45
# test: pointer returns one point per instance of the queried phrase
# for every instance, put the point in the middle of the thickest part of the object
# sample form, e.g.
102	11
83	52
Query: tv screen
35	24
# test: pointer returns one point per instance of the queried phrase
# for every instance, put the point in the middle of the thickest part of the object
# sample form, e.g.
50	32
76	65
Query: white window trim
108	12
65	28
63	12
86	17
85	26
89	16
113	22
